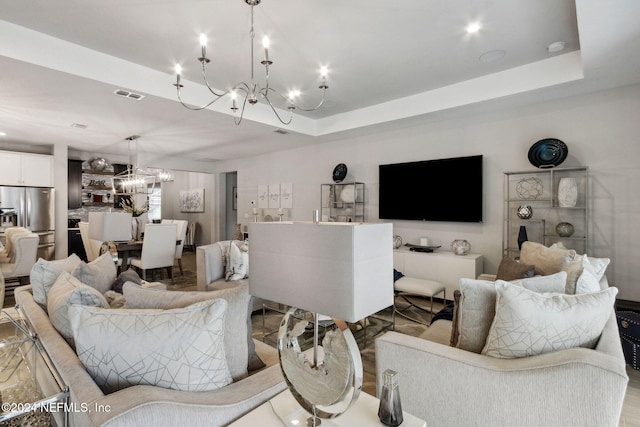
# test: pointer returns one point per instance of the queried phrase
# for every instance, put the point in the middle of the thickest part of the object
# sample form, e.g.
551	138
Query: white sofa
145	405
210	270
448	386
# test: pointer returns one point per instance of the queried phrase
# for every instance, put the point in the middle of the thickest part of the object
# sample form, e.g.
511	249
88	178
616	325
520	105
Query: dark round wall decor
339	172
548	153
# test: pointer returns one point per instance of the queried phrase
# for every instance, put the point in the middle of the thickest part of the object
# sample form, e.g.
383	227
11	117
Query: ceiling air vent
127	94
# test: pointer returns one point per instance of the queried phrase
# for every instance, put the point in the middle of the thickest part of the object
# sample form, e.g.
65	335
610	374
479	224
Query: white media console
444	267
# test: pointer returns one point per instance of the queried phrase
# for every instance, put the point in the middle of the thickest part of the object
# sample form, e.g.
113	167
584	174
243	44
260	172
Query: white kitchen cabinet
26	169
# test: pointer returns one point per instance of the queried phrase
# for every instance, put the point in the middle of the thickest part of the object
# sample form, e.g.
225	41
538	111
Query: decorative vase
567	192
522	236
565	229
390	409
135	228
460	247
524	212
397	241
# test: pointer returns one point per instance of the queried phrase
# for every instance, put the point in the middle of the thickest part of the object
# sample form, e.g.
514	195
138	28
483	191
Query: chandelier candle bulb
265	44
203	43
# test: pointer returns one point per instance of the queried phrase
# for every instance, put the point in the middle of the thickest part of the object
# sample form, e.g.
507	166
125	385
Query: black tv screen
432	190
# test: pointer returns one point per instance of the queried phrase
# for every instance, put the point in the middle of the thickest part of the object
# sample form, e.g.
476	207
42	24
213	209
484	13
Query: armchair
448	386
210	270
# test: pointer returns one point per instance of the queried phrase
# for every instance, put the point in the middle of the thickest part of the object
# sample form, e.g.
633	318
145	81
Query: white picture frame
274	196
286	195
263	196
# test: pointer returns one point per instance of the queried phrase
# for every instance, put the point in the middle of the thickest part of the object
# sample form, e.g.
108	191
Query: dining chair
25	247
181	234
8	252
158	249
91	246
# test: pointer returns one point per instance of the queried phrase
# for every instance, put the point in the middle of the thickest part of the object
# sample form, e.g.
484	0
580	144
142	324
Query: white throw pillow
45	273
179	349
238	263
589	280
476	307
68	290
99	273
237	335
527	323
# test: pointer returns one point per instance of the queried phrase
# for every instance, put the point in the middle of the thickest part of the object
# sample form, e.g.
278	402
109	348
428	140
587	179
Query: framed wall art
192	200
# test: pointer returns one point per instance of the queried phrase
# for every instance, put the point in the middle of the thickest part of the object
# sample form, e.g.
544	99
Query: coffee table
363	413
30	386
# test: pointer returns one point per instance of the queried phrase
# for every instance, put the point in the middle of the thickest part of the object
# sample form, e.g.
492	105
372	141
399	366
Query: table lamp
341	270
110	226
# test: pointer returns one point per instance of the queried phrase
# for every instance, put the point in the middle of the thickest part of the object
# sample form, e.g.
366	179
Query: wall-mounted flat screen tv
432	190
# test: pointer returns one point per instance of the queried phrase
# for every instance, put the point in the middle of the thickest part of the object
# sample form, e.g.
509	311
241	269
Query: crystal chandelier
250	92
133	180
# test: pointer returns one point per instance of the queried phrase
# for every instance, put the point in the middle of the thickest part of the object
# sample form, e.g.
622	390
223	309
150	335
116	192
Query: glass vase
390	410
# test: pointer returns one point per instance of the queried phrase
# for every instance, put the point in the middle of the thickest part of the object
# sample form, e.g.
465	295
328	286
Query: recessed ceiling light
3	134
555	47
492	55
473	28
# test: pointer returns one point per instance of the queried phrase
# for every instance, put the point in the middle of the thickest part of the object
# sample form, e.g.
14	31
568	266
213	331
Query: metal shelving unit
342	202
539	189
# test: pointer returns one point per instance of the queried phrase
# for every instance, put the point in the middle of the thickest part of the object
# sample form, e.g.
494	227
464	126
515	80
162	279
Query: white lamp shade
110	226
343	270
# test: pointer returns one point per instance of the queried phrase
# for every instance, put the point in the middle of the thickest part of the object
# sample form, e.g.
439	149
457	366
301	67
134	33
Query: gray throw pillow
129	275
68	290
99	273
237	325
45	273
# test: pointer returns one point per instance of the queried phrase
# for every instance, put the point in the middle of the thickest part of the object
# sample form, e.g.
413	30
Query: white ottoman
410	286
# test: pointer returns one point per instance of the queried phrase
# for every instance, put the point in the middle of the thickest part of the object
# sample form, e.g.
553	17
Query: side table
363	413
30	386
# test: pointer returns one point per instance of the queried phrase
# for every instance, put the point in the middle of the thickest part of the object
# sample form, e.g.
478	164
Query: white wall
170	202
602	131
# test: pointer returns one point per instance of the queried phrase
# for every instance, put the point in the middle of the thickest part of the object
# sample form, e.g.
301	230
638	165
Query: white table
363	413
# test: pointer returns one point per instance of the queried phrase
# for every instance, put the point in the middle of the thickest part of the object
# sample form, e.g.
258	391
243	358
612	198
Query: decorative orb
397	241
524	212
348	194
98	164
460	247
565	229
529	188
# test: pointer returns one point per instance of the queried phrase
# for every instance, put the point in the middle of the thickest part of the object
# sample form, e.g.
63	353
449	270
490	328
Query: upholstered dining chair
8	253
181	234
25	247
158	249
91	246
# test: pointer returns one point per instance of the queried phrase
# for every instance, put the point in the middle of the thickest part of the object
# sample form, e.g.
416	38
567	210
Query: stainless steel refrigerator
32	208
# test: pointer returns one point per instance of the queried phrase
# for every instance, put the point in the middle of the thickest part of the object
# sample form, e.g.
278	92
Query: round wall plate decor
339	172
548	153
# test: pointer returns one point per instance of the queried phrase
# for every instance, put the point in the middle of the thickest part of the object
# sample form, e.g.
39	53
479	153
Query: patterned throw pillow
528	323
239	344
237	263
476	309
179	349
